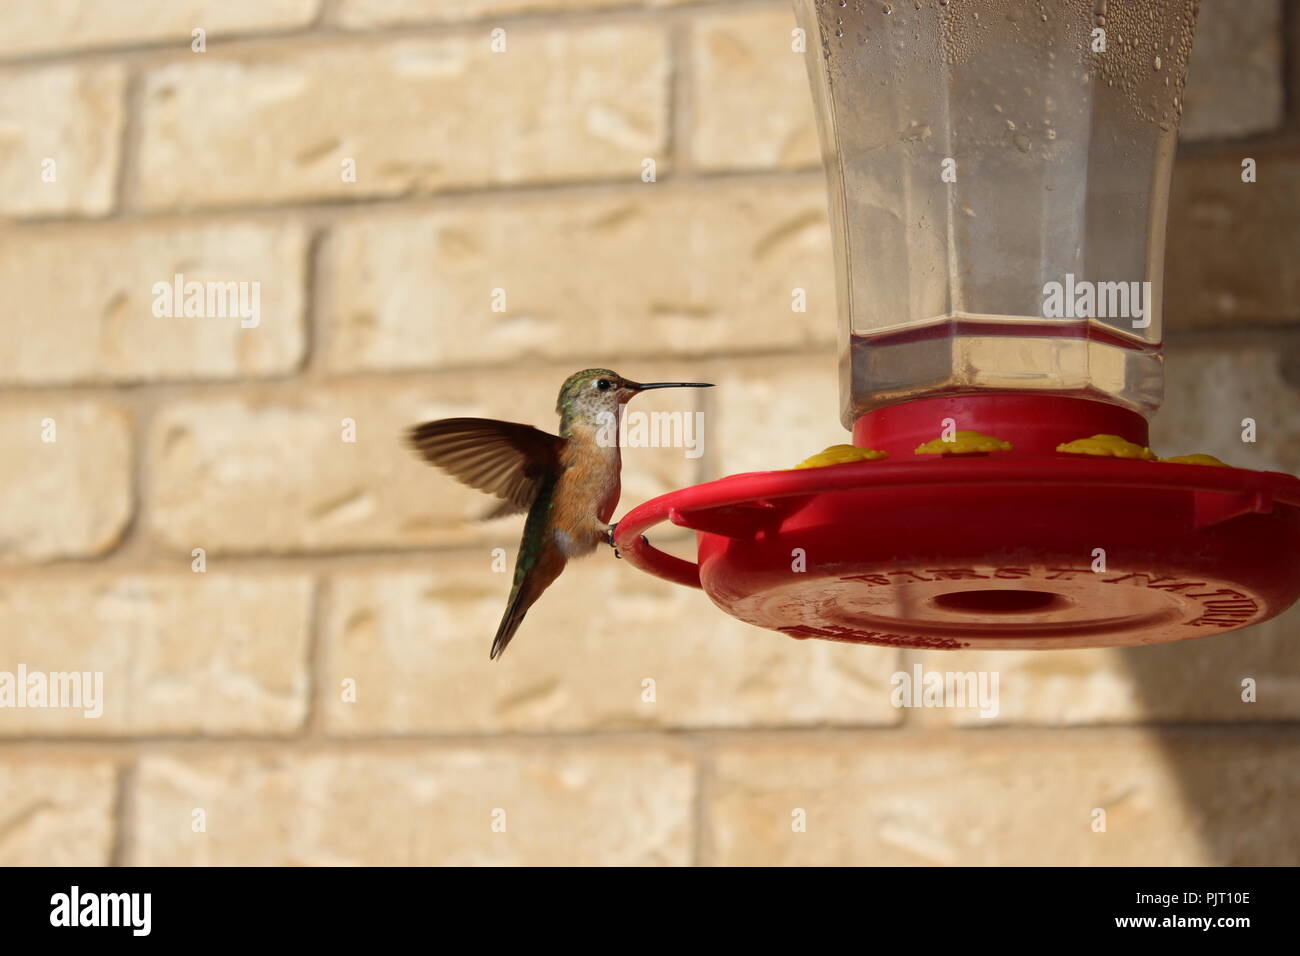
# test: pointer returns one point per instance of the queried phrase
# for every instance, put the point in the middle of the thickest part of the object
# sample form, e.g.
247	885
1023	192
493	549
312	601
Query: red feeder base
1025	550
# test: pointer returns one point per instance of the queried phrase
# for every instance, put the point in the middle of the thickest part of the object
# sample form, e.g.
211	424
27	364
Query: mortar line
316	668
324	30
1284	731
311	365
327	210
1290	38
362	378
122	814
128	147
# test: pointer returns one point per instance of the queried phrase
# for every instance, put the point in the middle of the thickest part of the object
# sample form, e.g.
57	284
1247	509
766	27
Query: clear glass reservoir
999	175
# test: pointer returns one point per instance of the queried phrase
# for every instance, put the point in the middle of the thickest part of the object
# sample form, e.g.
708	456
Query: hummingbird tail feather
538	564
510	622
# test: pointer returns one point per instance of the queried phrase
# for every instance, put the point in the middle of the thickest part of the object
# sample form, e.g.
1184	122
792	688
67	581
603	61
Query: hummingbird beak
638	387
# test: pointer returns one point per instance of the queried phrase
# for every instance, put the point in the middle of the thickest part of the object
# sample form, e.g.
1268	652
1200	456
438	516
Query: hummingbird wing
501	458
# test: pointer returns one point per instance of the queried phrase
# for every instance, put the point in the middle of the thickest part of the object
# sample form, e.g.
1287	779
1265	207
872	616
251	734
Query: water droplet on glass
1021	141
1157	63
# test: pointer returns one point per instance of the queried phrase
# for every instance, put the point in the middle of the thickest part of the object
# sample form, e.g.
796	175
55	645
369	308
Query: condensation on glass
979	152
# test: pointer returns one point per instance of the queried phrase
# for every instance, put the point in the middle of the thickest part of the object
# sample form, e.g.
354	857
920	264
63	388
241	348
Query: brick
270	472
57	812
81	302
182	653
1229	242
774	413
1234	81
69	497
591	805
1006	799
1212	385
417	116
72	24
385	13
752	108
416	644
61	129
655	269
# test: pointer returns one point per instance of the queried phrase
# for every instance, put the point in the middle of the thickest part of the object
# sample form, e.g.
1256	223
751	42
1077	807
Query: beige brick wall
330	563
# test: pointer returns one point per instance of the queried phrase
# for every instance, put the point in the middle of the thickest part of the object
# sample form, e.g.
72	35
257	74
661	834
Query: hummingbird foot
609	538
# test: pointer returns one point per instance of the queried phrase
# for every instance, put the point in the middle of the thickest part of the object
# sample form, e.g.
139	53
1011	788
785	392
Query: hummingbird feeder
998	177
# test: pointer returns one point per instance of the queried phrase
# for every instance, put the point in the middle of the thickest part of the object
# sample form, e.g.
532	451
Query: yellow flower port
840	455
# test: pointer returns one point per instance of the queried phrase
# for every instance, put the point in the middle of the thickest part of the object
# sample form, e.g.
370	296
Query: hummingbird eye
603	384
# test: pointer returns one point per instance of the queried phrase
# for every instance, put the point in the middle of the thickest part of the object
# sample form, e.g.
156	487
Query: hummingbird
567	483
